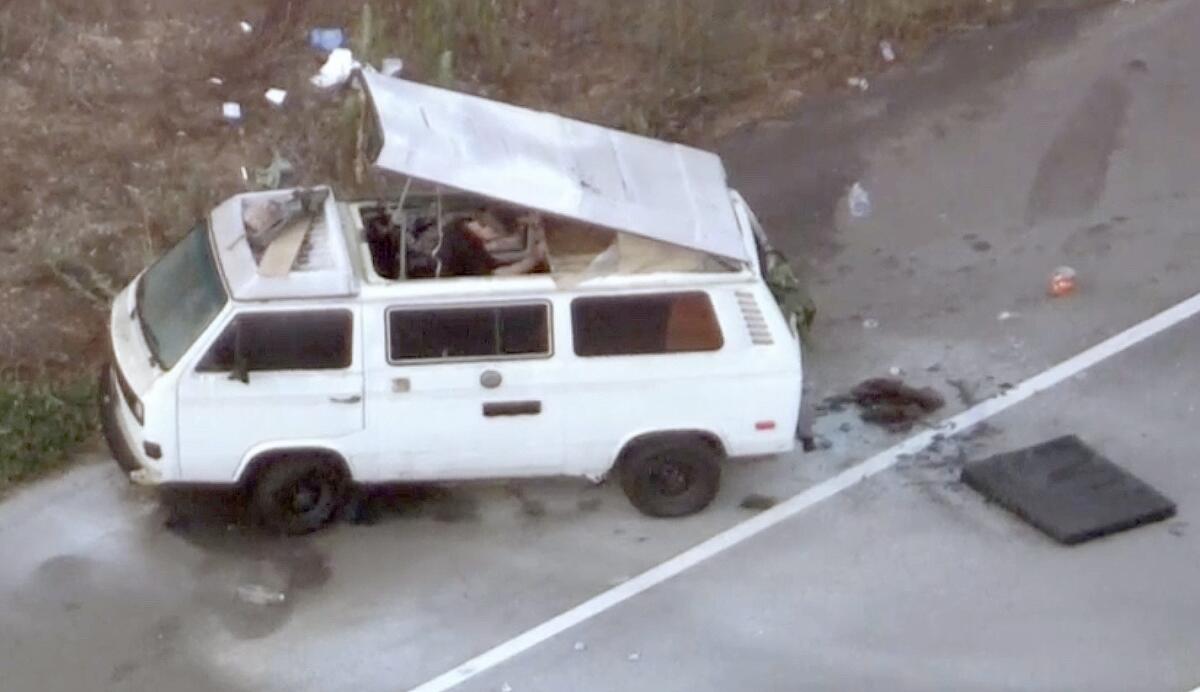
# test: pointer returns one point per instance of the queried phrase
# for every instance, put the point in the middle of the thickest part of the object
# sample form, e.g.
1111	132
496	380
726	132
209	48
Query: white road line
822	491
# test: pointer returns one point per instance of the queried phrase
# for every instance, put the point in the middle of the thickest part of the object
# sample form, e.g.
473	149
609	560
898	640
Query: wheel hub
671	479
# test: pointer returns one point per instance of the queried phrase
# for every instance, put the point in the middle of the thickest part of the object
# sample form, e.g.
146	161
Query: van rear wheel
671	478
298	495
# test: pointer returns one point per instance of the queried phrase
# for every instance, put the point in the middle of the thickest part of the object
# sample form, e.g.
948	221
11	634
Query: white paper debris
391	67
860	83
336	69
216	80
895	371
870	323
886	50
580	646
231	110
257	594
1006	316
635	656
247	27
506	688
859	201
276	96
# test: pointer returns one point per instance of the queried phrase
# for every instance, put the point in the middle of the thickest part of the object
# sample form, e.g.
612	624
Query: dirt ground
111	112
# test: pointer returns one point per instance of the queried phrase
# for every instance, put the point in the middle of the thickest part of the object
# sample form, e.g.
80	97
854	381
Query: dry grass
683	69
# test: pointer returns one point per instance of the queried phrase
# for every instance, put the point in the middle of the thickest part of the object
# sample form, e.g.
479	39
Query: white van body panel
429	420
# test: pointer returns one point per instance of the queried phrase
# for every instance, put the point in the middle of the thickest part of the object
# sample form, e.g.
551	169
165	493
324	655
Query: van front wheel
672	478
298	495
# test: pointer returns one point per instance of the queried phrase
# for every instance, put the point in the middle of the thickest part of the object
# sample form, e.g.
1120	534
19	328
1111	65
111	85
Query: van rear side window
506	331
645	324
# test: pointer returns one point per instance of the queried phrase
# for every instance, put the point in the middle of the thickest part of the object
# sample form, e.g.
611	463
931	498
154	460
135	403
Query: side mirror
241	363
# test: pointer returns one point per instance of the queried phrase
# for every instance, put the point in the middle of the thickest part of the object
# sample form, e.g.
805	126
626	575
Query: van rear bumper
114	436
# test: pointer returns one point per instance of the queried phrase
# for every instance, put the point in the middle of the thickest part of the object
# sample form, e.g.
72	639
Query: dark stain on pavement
1093	241
1073	171
370	505
758	502
249	579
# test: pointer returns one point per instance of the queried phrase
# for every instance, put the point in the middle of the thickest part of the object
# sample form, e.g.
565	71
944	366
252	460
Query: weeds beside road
40	424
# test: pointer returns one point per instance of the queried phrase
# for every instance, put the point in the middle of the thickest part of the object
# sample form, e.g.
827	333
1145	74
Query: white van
295	344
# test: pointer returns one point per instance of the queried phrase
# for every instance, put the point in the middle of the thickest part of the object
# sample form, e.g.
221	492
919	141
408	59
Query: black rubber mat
1067	490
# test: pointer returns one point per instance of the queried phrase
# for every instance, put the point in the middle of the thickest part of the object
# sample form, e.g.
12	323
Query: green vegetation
41	424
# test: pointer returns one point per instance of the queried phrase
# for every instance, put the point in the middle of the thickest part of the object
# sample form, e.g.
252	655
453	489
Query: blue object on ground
326	39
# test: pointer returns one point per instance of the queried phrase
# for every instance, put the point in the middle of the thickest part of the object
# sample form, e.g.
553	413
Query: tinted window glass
285	341
478	332
645	324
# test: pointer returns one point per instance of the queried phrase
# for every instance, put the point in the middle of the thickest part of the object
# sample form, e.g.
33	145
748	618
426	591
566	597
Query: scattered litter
336	70
279	173
895	371
247	27
1062	282
860	83
506	688
245	175
859	201
870	323
758	502
886	50
216	80
391	67
232	111
1006	316
276	96
580	646
257	594
635	656
891	403
326	39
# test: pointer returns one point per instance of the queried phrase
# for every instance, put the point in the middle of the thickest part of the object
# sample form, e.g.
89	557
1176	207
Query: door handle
346	400
512	408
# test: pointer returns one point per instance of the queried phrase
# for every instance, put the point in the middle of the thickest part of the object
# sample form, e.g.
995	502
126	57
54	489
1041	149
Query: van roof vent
315	254
756	324
289	234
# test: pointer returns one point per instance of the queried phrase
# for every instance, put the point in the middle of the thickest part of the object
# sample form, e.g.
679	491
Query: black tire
298	495
670	478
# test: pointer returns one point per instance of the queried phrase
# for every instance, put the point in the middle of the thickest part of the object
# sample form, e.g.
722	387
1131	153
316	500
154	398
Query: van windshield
178	296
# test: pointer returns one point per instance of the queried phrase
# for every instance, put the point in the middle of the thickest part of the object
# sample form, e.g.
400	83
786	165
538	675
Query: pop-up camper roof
596	175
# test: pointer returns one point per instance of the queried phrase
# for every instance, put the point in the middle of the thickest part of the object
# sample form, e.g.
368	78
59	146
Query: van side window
285	341
470	332
645	324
